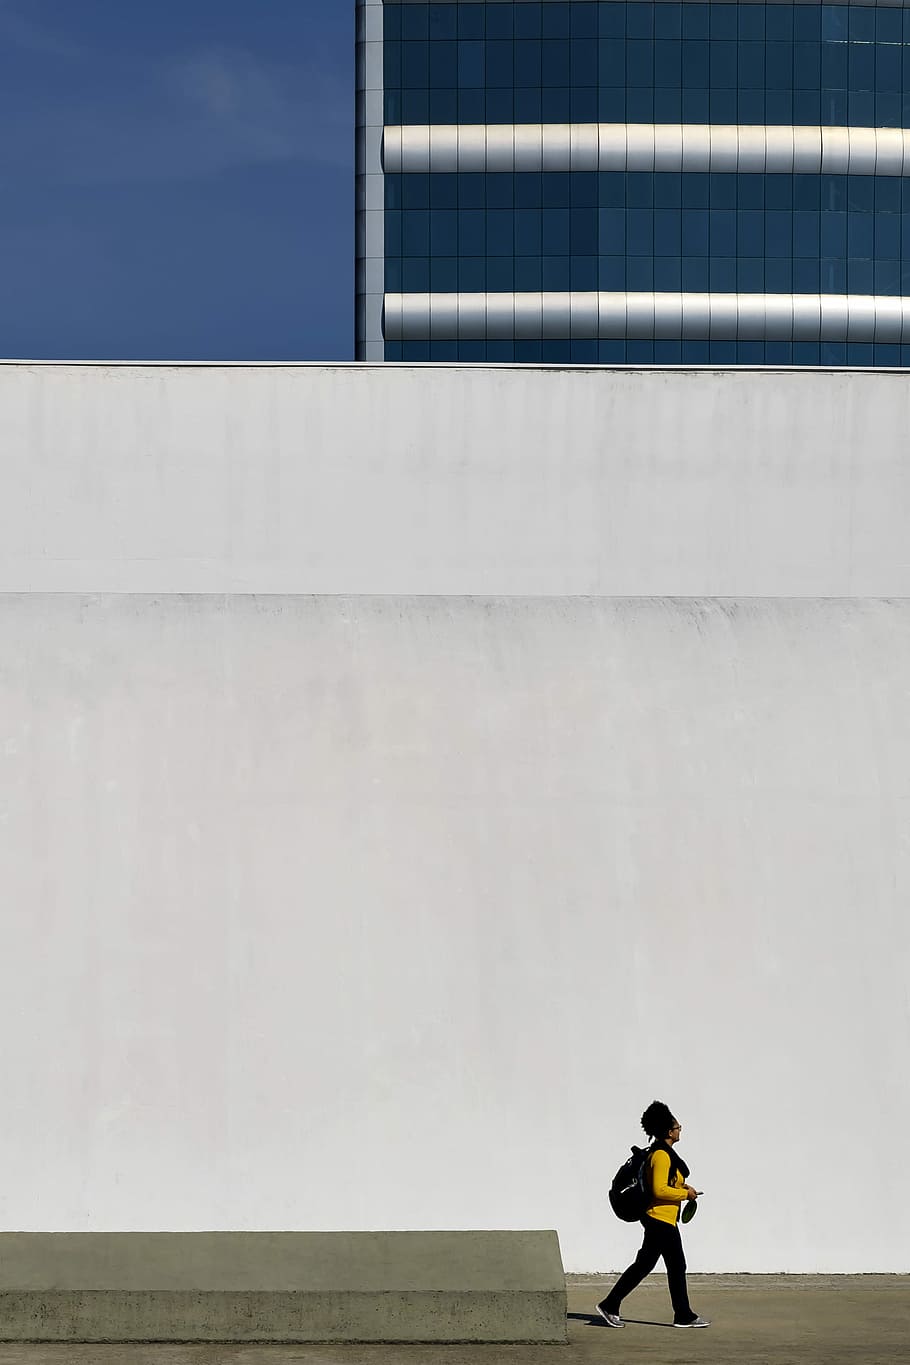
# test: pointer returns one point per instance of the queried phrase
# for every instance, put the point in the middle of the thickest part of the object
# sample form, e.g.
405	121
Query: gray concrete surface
307	901
449	480
282	1286
756	1320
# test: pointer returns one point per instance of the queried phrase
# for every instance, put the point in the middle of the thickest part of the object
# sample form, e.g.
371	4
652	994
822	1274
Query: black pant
661	1239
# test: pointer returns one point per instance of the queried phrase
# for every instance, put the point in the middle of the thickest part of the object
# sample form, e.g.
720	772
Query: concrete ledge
282	1286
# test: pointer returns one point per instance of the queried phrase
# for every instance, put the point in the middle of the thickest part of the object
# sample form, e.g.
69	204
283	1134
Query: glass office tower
634	181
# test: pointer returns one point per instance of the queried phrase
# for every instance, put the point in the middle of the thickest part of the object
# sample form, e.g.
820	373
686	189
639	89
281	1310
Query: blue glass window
528	272
554	66
751	72
695	20
723	232
415	21
779	66
695	272
779	25
443	64
444	232
499	21
667	105
471	68
527	63
834	67
695	232
500	232
556	189
750	274
611	232
528	191
805	276
583	104
500	272
668	273
555	104
887	194
639	189
554	19
583	272
722	275
806	234
640	273
526	20
778	276
723	20
415	232
861	24
582	61
668	190
861	234
750	232
556	232
667	232
833	234
443	191
695	65
640	232
443	21
500	191
415	106
470	20
556	272
471	232
612	273
583	232
887	276
834	23
887	236
472	274
639	64
667	64
444	273
888	26
582	19
415	274
415	65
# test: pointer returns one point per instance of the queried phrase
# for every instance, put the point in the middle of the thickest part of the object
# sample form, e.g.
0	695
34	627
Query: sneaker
696	1322
611	1319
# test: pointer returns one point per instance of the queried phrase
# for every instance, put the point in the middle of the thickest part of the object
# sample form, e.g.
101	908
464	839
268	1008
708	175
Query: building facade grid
639	65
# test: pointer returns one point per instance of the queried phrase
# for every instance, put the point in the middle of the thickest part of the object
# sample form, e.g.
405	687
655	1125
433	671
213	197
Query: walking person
665	1175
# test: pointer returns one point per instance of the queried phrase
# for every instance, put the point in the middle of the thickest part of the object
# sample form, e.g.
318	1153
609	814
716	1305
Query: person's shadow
594	1320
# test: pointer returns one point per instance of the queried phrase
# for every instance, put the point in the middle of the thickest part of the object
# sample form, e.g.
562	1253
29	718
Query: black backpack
629	1193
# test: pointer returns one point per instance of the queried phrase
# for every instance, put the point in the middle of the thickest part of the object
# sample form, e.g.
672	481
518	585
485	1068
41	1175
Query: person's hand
692	1193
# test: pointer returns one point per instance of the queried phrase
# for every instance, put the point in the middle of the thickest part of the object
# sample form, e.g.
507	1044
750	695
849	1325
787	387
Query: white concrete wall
345	911
403	480
326	913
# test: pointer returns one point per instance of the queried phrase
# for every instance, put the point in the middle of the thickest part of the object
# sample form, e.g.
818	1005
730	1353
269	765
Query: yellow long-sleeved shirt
665	1198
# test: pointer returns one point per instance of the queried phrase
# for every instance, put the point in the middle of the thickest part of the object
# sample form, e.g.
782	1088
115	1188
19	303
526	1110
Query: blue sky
176	179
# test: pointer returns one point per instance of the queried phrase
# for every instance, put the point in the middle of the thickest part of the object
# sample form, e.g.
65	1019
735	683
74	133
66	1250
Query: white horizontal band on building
743	148
593	316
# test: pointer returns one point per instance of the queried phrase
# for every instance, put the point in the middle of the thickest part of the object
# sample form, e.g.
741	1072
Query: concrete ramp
282	1286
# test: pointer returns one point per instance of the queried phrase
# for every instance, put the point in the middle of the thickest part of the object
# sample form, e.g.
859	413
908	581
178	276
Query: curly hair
657	1120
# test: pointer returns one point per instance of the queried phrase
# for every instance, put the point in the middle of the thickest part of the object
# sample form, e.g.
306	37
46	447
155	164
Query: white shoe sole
604	1318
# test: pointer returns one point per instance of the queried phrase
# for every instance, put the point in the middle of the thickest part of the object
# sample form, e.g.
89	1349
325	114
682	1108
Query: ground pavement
757	1320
